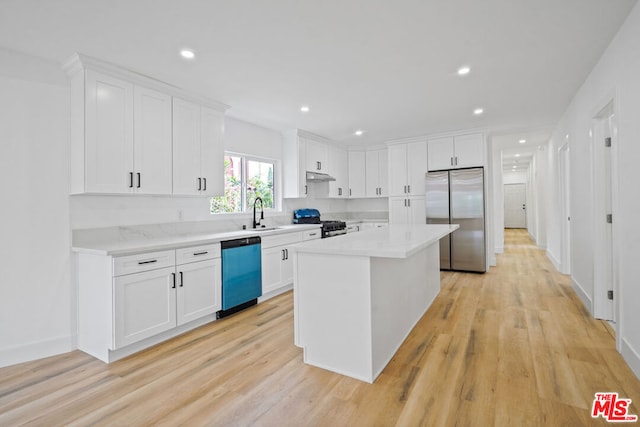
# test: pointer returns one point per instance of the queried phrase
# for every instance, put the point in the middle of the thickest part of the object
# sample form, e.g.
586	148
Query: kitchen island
357	296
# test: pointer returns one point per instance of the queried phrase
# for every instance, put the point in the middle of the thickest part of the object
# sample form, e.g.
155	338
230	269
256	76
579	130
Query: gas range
312	216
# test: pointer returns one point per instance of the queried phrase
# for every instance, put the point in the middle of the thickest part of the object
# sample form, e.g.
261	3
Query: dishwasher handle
236	243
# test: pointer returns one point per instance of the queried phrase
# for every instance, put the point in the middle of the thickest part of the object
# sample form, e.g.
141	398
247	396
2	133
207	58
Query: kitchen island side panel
334	313
402	290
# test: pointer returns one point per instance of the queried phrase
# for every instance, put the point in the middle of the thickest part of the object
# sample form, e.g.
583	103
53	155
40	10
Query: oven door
334	233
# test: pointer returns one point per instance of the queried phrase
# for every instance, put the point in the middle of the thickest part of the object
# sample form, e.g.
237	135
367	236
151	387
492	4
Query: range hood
319	177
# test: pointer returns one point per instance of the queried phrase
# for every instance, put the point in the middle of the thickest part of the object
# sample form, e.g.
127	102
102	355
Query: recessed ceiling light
463	71
478	111
359	132
305	109
522	141
517	155
187	54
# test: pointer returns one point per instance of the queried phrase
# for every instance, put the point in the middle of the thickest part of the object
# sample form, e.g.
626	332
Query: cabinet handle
282	257
130	179
409	188
339	191
456	160
199	184
305	189
349	192
405	190
173	275
313	234
181	279
451	161
286	252
405	203
409	202
205	184
147	262
138	179
200	253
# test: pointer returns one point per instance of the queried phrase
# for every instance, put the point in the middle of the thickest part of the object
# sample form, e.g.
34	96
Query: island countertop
394	241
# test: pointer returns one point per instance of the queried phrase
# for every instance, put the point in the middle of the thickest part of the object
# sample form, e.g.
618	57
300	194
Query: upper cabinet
198	152
121	134
357	177
452	152
294	164
407	168
317	159
376	173
338	168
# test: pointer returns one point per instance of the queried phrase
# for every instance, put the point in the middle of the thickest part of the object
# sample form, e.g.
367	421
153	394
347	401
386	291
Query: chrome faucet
256	224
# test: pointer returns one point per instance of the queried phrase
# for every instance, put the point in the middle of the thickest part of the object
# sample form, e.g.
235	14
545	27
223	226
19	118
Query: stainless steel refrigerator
457	197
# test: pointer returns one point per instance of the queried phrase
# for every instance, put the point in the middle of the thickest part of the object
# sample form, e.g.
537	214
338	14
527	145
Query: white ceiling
386	67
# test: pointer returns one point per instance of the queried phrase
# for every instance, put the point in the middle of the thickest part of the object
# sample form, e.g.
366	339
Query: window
245	178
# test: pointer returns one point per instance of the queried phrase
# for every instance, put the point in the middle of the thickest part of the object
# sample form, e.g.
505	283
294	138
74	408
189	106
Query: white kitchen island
357	296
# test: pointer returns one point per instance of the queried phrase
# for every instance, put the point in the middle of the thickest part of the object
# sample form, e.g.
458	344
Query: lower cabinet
123	301
407	210
277	258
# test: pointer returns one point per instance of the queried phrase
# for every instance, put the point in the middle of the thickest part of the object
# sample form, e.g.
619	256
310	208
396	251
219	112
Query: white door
416	167
357	174
286	271
271	268
398	210
152	141
212	152
145	305
199	290
469	151
416	212
186	148
109	134
339	170
372	173
515	206
383	173
317	156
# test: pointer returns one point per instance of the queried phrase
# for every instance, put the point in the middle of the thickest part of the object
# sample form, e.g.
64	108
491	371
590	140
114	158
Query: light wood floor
512	347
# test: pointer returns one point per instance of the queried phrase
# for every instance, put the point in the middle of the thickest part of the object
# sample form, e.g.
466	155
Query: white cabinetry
376	173
452	152
198	152
357	177
317	159
407	210
338	168
277	261
407	168
121	134
354	228
131	302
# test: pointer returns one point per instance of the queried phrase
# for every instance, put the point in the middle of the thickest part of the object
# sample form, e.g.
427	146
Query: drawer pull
173	275
313	234
181	279
200	253
147	262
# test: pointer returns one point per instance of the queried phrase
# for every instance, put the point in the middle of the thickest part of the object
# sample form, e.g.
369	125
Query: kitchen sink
262	229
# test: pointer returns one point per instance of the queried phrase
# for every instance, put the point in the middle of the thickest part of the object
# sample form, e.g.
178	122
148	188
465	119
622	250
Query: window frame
277	197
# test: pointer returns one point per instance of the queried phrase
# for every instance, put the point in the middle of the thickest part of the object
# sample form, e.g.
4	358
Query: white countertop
139	244
394	241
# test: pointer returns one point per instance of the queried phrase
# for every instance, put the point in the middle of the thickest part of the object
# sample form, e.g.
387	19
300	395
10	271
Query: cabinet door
398	170
440	153
186	148
199	289
357	182
317	156
372	173
339	170
109	134
286	267
416	213
469	151
271	268
152	141
145	305
416	167
212	152
383	173
398	210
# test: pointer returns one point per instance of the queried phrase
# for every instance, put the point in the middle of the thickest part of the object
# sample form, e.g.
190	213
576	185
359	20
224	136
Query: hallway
511	347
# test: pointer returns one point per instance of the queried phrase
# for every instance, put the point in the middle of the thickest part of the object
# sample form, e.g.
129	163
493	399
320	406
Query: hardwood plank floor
511	347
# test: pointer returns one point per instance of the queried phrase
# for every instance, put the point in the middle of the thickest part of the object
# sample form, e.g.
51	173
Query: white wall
617	74
37	305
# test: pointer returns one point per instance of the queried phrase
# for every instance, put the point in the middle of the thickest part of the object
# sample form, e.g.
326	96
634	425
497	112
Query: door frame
607	109
564	162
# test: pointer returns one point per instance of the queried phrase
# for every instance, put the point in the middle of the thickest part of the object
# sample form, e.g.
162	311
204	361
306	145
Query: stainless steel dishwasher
241	274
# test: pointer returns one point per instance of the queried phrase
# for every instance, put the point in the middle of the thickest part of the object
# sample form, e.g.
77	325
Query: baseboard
275	292
37	350
583	295
554	260
499	249
631	356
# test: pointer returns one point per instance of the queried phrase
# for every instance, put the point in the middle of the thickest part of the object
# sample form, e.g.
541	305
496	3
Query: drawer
143	262
197	253
281	239
351	228
316	233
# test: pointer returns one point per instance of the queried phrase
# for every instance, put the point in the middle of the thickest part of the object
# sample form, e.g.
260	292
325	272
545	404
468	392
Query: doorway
515	206
604	141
